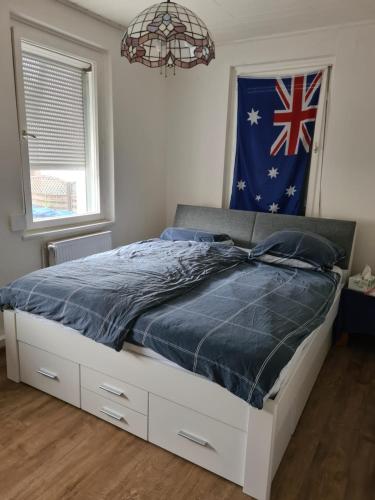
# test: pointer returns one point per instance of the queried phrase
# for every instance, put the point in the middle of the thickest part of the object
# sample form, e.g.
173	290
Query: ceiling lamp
167	34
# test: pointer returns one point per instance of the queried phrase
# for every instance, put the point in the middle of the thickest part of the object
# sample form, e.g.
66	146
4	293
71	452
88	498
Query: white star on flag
253	117
273	173
274	208
291	191
241	185
258	197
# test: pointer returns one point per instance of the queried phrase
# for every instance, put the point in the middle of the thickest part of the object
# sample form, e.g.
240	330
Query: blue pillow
188	234
302	245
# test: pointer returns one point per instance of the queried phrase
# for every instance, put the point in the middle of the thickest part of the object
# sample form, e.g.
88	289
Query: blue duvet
204	306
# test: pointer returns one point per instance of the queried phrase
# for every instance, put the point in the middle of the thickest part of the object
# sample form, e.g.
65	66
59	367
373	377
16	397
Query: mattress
287	370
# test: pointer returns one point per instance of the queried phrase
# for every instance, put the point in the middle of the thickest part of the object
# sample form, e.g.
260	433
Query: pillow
301	245
188	234
284	261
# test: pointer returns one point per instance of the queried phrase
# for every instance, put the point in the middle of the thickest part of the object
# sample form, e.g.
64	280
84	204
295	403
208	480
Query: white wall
182	121
197	124
139	136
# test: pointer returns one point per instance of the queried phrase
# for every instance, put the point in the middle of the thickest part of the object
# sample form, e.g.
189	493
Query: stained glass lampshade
167	34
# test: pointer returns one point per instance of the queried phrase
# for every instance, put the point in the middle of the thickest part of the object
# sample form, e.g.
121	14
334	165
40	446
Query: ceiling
231	20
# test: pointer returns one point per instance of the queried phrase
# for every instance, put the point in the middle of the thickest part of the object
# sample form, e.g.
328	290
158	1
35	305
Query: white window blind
54	94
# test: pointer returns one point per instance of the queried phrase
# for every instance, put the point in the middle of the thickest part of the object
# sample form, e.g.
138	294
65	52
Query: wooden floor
52	451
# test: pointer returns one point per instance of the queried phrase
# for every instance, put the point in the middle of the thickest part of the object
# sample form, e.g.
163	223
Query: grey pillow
302	245
191	234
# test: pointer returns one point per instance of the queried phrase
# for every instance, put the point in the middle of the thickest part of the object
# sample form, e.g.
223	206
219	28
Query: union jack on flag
275	129
297	111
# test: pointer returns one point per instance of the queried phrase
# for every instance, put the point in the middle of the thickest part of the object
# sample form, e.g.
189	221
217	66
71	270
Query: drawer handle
112	390
112	414
191	437
47	373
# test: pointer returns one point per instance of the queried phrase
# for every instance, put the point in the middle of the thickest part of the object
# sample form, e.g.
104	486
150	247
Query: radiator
81	246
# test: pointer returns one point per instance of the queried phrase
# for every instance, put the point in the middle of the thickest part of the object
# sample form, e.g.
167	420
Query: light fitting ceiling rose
167	34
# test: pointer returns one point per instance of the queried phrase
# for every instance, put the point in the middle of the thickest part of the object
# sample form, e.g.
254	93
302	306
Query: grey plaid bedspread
102	295
202	305
241	327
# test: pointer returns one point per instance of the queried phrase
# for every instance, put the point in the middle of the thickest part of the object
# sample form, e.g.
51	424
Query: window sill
66	231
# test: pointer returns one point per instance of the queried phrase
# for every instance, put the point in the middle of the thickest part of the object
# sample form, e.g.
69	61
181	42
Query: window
61	142
58	105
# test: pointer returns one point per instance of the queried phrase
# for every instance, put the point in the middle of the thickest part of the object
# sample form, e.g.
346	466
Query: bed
143	390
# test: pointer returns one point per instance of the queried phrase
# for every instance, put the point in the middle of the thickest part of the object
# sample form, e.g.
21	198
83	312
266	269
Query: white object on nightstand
363	282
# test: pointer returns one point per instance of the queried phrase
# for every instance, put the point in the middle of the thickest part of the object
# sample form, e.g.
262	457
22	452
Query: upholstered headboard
248	228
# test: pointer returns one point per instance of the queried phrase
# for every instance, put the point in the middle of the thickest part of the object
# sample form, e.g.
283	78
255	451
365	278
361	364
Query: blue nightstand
356	314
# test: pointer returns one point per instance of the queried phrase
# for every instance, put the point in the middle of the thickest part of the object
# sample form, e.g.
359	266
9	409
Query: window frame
65	47
280	69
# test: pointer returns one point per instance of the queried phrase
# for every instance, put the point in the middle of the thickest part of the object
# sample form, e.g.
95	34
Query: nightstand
356	315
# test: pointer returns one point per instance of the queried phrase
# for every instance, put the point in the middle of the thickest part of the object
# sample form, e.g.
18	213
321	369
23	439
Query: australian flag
275	127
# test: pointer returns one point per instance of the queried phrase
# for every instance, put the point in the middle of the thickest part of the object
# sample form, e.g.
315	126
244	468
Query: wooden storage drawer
50	373
198	438
115	390
116	414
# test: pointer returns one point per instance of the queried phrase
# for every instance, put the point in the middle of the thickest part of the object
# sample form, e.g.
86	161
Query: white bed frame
266	432
171	407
